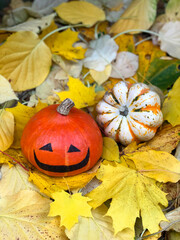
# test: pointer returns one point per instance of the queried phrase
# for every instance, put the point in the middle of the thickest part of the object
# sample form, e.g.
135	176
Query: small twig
150	235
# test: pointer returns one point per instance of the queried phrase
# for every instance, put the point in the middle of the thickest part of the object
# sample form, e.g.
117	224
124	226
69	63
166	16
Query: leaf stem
14	160
135	30
59	29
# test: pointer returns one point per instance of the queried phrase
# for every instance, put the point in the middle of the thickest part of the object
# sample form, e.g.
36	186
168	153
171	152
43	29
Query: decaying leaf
69	207
6	92
139	15
25	214
169	36
131	194
171	108
101	225
80	12
125	65
173	217
24	60
110	149
62	45
166	139
6	129
81	95
100	53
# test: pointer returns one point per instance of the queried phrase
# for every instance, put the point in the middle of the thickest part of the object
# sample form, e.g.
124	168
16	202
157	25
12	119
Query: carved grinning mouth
62	168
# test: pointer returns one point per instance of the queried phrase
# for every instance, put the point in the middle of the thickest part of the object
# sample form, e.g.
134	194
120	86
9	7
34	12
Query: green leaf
173	10
163	73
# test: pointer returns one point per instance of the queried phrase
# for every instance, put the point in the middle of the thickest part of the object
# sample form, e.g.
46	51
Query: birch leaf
125	65
33	25
25	214
69	207
141	195
173	10
13	180
6	129
169	36
101	77
24	60
81	95
139	15
171	110
101	225
80	12
100	53
6	92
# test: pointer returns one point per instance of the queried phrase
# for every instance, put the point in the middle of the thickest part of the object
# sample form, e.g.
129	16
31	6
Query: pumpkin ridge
144	125
108	122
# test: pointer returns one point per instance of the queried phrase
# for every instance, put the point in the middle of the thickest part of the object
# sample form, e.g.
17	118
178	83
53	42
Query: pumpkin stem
65	107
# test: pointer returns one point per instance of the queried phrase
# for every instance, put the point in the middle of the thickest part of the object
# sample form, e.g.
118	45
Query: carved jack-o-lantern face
61	145
64	168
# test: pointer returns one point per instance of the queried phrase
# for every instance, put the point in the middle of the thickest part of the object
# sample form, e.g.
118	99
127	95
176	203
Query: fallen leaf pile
53	50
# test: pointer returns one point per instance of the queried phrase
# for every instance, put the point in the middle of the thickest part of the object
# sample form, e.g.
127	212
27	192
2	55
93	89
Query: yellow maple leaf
171	108
81	95
22	115
50	40
139	15
62	45
101	225
25	60
69	207
131	194
158	165
24	214
80	12
6	129
110	149
49	185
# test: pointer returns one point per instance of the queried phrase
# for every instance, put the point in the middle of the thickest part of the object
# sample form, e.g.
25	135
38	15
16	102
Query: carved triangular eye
47	147
72	148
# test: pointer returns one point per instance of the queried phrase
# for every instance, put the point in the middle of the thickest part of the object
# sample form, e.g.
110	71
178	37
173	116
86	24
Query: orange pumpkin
62	140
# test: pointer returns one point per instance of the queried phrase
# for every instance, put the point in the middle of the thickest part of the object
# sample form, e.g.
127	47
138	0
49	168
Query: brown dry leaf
25	60
174	220
166	139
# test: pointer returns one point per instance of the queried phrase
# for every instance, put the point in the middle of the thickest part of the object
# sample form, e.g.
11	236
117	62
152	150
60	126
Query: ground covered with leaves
56	49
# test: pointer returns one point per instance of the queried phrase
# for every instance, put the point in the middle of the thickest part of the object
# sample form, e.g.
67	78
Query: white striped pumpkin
129	112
